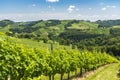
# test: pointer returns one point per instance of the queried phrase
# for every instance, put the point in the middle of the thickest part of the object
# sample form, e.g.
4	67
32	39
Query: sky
30	10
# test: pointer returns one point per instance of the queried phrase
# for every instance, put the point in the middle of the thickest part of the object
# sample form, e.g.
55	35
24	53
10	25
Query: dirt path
109	72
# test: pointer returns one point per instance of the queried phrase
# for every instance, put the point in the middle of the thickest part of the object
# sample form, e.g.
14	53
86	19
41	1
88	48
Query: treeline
108	23
85	40
21	63
87	35
5	23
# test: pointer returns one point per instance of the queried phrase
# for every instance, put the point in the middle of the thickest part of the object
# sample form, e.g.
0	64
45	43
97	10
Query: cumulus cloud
97	17
46	16
77	9
49	6
52	1
34	16
104	8
71	8
108	6
113	6
34	5
52	8
90	8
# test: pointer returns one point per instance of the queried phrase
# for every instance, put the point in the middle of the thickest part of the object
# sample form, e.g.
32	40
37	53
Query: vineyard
18	62
59	40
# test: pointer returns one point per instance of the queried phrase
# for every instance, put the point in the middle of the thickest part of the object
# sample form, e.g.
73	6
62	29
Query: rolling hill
102	35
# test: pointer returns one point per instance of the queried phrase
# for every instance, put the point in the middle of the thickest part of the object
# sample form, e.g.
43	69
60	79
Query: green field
39	50
83	25
109	72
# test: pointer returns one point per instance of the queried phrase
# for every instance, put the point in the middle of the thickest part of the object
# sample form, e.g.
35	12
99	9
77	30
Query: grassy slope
89	27
80	25
100	31
107	73
32	43
5	29
83	25
116	26
35	44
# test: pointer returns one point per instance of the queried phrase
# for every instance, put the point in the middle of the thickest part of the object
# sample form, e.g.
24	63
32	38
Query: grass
109	72
34	44
116	26
57	76
4	29
100	31
83	25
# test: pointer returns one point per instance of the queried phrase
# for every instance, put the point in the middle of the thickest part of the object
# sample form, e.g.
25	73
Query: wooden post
81	71
61	78
52	51
52	47
75	73
49	77
52	77
69	76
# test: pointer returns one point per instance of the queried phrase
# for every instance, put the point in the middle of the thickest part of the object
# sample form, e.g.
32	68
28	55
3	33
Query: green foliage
78	33
108	23
4	23
110	70
83	25
115	31
18	62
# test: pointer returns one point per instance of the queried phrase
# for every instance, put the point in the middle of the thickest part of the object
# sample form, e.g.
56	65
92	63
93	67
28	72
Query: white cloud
71	8
52	8
79	15
49	6
34	5
108	6
52	1
114	15
34	16
98	17
90	8
113	6
77	9
46	16
104	8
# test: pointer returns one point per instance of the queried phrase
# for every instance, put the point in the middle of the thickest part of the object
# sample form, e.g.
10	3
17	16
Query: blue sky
28	10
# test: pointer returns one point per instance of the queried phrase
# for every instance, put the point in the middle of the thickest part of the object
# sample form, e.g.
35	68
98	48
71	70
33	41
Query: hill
20	62
102	35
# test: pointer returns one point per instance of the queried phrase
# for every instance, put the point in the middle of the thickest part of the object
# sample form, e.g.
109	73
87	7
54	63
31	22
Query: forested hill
108	23
103	35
